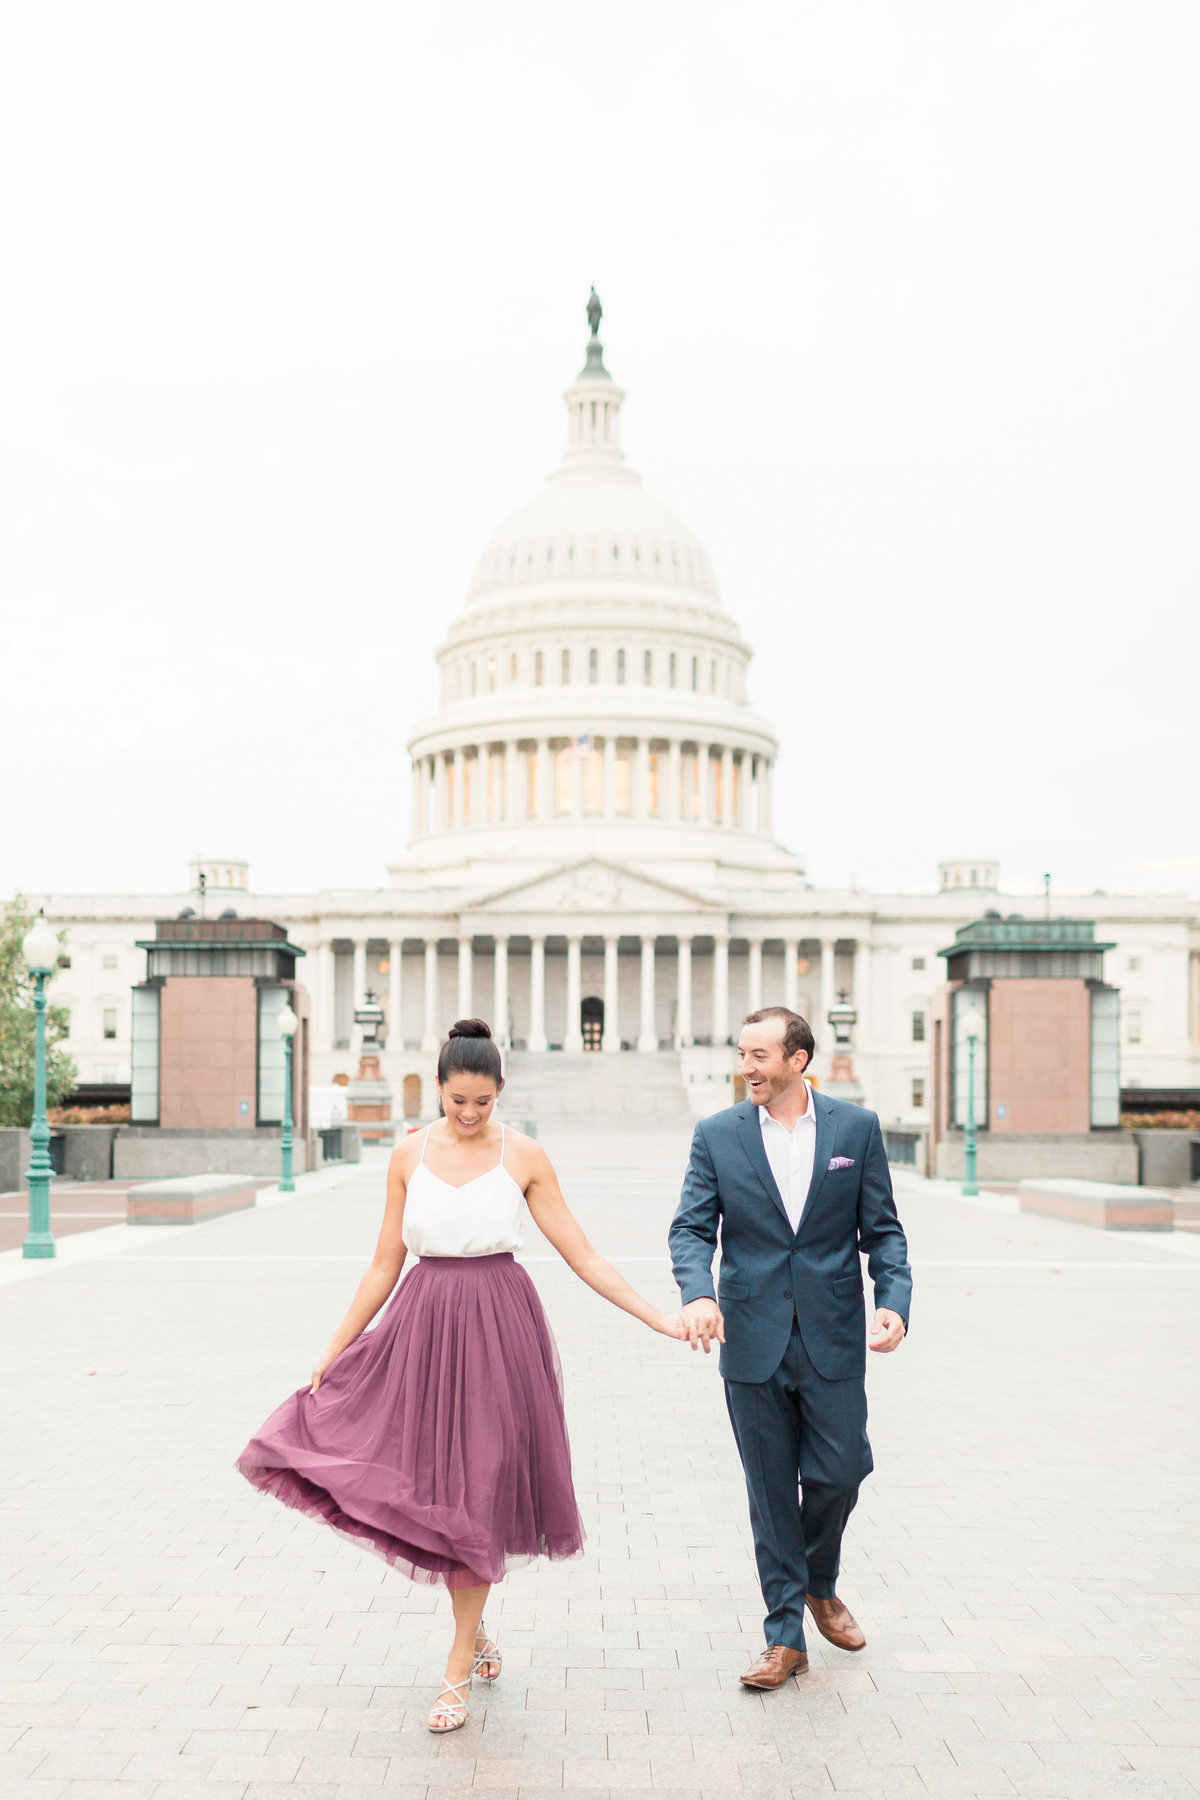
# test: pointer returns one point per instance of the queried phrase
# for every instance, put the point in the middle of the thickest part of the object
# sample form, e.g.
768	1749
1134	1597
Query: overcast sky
905	298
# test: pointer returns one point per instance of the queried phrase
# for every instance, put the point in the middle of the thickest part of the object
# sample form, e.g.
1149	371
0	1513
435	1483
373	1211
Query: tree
17	1026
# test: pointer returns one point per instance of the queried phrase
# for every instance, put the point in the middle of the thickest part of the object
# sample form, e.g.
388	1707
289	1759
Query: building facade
592	863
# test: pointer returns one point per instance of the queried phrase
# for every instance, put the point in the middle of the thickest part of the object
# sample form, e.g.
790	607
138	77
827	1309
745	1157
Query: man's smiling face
766	1071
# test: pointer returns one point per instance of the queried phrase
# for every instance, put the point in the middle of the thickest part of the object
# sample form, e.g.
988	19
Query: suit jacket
770	1273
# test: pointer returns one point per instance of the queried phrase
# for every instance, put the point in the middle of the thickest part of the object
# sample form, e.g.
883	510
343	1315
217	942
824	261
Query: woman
438	1440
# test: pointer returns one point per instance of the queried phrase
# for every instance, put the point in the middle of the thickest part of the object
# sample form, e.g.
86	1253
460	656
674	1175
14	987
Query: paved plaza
1024	1561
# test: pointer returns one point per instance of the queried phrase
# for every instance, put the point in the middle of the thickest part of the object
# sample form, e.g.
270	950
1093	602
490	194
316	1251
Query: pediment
594	885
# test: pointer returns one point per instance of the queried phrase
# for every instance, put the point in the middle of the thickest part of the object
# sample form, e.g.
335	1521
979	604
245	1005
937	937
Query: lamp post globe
287	1024
970	1025
39	948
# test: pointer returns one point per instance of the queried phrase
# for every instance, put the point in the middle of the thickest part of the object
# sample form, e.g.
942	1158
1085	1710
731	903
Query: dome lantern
594	405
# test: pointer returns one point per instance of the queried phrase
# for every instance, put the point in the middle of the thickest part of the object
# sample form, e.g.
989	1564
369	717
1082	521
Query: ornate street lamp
286	1025
370	1017
971	1026
842	1016
40	950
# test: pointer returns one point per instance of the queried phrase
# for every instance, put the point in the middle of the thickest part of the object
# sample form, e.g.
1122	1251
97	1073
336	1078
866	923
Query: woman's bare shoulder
406	1155
523	1154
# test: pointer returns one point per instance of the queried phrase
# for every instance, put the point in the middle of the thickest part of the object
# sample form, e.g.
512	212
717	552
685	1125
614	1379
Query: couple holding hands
438	1440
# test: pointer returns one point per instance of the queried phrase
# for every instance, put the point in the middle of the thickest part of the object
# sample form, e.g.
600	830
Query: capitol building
593	865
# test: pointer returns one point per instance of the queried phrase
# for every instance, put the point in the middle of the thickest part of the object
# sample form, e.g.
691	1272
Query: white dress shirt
791	1154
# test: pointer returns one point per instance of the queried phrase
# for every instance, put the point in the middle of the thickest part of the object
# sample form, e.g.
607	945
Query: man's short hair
797	1032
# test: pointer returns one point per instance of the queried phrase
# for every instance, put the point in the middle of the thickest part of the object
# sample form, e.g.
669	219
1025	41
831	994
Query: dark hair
470	1050
797	1032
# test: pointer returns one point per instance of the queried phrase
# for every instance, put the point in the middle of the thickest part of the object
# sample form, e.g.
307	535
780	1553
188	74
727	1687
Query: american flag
578	750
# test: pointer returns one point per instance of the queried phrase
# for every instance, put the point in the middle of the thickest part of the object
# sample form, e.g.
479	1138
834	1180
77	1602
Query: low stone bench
187	1199
1109	1206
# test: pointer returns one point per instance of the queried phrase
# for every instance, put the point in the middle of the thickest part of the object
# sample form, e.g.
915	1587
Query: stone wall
1015	1156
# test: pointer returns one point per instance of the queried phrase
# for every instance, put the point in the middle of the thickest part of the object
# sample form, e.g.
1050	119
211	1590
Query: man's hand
887	1329
704	1323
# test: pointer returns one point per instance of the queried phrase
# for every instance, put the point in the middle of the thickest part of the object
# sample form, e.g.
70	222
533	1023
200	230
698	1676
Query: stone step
555	1082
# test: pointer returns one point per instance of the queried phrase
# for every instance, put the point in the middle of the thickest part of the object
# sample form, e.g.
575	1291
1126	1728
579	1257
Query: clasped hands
701	1323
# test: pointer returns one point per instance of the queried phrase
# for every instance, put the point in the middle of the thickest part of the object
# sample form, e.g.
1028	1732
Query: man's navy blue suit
794	1358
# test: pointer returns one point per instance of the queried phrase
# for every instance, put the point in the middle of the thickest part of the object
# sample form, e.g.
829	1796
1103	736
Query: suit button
787	1293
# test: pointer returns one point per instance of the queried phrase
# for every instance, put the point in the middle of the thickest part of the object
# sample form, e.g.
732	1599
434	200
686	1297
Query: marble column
431	1036
828	989
537	993
683	1009
545	780
395	1030
326	994
612	1025
513	809
674	808
791	955
578	769
755	985
479	805
704	765
769	798
641	778
465	973
720	990
742	811
727	786
648	1033
500	1029
862	992
441	799
358	990
460	786
608	805
418	789
573	1035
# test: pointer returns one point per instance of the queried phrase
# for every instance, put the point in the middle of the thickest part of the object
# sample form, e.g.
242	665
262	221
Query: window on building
474	679
1134	964
564	672
918	1028
918	1092
593	667
531	795
695	674
918	962
652	783
537	668
622	783
1133	1027
110	961
491	674
647	667
109	1022
712	677
512	667
672	669
620	668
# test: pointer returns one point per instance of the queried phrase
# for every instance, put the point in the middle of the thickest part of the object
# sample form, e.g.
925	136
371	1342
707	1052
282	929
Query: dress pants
799	1431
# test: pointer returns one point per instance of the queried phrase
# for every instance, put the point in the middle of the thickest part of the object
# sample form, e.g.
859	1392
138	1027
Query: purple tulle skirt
437	1440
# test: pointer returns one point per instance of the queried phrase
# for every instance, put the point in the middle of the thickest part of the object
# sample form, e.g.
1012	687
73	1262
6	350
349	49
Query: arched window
695	674
474	677
593	667
512	668
647	668
565	669
537	668
491	674
672	670
712	677
620	668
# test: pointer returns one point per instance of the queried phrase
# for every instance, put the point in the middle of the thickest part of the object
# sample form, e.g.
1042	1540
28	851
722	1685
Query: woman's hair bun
470	1028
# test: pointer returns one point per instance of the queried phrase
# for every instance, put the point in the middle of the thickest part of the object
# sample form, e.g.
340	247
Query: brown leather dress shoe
772	1668
836	1622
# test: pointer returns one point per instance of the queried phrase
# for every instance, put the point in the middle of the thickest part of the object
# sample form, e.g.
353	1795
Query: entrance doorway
591	1021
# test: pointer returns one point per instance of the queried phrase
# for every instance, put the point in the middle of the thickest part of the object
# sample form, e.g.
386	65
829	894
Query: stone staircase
539	1085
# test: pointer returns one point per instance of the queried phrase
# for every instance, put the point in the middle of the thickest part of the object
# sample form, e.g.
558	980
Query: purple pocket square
840	1162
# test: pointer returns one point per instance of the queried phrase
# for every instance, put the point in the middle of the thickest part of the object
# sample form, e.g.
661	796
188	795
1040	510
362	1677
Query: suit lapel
822	1151
750	1132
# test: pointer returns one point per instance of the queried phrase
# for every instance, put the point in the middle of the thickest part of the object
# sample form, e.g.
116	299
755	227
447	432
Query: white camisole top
480	1218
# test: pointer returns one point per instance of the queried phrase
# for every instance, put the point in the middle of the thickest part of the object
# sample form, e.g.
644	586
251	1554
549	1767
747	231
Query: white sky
905	300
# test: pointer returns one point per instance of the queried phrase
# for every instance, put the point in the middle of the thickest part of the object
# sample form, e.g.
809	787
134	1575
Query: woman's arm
384	1272
555	1220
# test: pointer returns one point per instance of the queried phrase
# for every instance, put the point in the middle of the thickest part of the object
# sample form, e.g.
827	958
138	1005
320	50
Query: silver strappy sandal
454	1709
485	1653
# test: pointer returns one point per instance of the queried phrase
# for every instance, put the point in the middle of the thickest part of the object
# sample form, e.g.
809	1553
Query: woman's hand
672	1325
320	1366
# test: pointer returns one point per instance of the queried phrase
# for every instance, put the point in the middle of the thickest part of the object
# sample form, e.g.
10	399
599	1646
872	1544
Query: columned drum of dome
593	690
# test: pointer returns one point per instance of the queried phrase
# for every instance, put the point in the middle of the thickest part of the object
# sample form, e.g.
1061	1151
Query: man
796	1185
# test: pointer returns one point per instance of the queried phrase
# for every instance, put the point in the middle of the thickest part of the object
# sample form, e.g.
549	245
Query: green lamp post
971	1026
286	1025
40	950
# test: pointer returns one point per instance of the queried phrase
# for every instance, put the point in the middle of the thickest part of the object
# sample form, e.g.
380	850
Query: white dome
594	524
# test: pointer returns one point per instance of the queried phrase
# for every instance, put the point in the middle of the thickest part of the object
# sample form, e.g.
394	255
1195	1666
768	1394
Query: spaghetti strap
424	1145
502	1143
